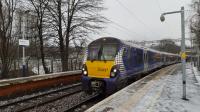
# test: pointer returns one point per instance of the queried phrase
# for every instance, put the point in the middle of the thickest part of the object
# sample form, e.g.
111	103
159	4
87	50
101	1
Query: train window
163	58
102	52
108	52
150	57
139	56
127	53
157	57
93	52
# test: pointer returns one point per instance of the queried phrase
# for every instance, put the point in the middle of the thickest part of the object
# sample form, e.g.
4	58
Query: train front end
100	70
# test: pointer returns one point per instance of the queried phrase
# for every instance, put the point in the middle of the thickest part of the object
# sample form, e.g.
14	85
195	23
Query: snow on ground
170	98
197	74
165	95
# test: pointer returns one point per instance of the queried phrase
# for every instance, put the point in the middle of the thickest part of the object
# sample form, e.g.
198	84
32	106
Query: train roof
106	40
146	48
116	40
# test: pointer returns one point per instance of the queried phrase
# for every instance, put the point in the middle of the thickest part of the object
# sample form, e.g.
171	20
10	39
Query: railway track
67	99
41	99
70	98
84	101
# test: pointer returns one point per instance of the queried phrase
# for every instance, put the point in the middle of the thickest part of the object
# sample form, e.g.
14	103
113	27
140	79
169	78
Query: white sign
23	42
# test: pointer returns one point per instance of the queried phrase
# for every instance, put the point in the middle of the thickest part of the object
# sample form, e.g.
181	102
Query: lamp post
183	55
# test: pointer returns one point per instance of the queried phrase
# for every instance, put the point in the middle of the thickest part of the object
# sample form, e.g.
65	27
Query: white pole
23	51
183	57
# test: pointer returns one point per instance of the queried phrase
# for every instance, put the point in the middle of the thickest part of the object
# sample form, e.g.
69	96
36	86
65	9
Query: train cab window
102	52
109	52
93	52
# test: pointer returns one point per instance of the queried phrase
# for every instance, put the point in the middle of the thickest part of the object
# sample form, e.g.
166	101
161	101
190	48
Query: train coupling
96	84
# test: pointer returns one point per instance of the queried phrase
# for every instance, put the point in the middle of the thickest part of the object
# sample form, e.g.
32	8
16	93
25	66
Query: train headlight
113	72
84	70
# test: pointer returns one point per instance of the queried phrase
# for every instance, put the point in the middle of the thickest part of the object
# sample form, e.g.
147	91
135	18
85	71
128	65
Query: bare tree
195	29
79	18
40	8
7	41
168	45
55	13
82	18
78	50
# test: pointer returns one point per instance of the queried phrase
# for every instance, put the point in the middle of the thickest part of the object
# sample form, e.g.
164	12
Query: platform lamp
183	54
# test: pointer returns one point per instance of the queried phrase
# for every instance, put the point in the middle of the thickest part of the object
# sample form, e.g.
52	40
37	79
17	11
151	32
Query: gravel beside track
37	99
68	103
82	104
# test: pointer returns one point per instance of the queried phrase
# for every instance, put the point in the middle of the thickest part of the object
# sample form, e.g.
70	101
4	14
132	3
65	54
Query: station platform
12	87
158	92
6	82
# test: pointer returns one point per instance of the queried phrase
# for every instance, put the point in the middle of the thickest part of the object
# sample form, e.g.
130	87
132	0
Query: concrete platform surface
163	93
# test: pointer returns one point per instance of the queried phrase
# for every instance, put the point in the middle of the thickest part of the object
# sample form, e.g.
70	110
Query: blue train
110	62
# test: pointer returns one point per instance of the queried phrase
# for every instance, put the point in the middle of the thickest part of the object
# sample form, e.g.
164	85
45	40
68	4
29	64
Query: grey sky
139	19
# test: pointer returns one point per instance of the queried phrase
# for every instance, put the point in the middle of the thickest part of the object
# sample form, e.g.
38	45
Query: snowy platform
163	94
197	74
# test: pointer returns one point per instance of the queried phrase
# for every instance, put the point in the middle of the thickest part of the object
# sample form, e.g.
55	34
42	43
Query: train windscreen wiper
93	59
101	54
104	59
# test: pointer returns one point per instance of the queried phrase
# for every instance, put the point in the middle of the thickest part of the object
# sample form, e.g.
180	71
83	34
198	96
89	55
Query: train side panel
154	60
133	61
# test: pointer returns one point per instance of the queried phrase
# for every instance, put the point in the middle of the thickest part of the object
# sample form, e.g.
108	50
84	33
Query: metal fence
34	66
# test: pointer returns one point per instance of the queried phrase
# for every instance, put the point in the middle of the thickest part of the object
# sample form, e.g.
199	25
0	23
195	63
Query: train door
127	59
145	60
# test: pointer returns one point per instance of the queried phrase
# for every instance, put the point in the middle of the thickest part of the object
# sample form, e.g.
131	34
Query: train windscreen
102	52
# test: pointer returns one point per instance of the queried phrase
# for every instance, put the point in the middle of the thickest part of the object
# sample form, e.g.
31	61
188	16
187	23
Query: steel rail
40	95
82	102
46	101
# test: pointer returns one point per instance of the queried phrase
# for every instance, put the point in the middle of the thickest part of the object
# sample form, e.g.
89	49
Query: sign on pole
183	55
24	42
